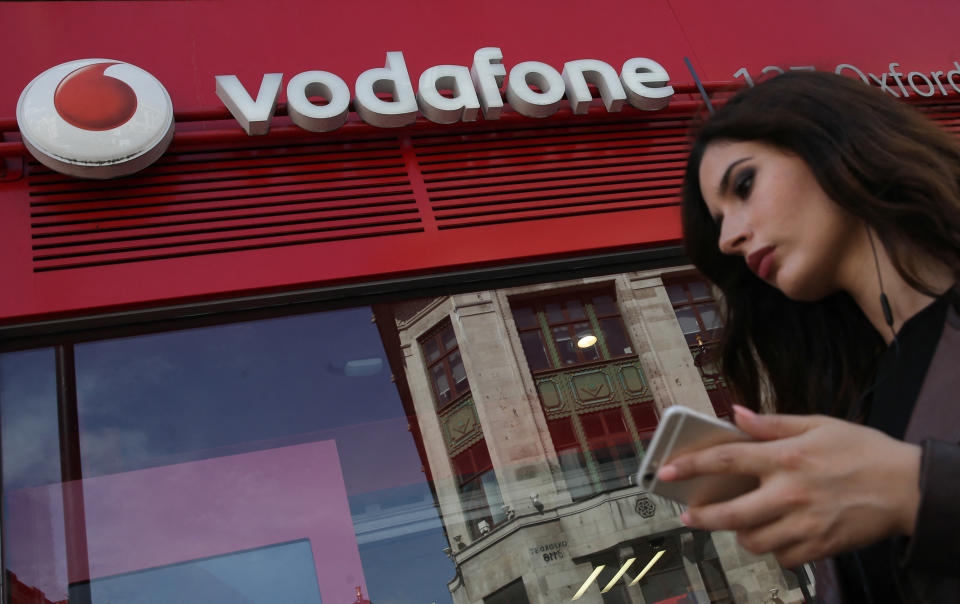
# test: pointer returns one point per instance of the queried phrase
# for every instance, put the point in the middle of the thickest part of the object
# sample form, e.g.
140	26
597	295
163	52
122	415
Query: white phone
683	430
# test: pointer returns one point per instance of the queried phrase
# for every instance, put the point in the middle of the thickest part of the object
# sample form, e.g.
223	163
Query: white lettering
645	82
529	102
253	116
936	78
576	74
930	89
883	83
393	80
950	76
318	118
319	101
488	74
843	66
896	78
437	108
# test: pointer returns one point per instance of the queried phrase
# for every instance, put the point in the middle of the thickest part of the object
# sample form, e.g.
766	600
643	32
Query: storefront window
255	459
474	447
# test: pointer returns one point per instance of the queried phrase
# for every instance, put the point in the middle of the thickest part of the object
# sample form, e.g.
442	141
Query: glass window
677	294
565	345
431	350
554	312
243	462
701	324
534	350
699	290
459	373
574	339
645	419
325	457
448	377
616	338
708	315
689	324
575	310
525	317
448	339
441	384
605	305
479	492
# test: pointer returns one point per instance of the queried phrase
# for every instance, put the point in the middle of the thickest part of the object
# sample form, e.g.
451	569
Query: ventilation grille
422	182
202	202
535	173
946	114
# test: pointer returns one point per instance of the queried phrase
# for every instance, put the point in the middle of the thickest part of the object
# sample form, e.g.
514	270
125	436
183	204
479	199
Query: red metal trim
12	150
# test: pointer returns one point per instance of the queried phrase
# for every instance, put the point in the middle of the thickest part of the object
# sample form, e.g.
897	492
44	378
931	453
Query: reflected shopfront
476	447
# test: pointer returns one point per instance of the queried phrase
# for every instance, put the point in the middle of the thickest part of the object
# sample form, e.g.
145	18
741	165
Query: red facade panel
222	214
226	220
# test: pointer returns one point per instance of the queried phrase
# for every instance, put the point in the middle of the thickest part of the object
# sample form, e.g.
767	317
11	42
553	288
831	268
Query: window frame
435	334
544	327
584	447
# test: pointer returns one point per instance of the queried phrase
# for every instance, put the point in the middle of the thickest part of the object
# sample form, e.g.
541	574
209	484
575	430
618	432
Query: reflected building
531	407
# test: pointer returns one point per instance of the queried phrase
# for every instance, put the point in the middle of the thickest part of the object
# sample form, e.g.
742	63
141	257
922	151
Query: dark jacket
927	568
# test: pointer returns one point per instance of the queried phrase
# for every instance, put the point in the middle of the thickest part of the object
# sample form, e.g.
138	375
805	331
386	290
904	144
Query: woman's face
772	211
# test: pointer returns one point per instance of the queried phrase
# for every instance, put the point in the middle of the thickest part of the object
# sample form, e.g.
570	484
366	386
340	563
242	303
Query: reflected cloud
31	453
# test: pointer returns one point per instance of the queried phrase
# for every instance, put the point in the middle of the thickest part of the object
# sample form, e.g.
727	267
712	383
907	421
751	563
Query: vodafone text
641	82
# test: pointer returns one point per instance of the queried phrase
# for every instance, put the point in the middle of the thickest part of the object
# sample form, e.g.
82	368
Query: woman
828	214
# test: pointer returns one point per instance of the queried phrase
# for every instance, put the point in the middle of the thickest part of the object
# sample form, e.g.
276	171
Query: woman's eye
743	183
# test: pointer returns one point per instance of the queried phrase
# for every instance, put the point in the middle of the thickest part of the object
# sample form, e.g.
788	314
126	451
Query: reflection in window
479	492
209	441
444	364
699	320
28	418
597	449
612	447
668	577
575	329
513	593
223	579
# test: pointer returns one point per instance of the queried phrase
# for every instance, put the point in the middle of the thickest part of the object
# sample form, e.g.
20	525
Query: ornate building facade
532	407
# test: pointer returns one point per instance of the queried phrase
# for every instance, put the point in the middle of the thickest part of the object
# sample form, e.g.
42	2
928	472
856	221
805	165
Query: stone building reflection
531	407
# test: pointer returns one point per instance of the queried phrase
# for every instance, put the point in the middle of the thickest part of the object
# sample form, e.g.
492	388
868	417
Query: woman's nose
734	234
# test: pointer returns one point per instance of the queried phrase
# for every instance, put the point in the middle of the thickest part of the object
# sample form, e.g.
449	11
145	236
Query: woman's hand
826	486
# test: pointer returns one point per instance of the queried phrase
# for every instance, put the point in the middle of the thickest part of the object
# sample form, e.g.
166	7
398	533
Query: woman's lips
761	261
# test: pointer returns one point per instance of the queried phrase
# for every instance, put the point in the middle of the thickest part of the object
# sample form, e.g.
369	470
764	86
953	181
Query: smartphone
683	430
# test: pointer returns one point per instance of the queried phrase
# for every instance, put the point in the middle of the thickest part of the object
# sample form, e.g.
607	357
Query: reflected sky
146	398
278	573
28	418
176	397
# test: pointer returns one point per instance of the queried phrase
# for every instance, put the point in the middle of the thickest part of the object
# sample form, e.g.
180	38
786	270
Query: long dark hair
877	158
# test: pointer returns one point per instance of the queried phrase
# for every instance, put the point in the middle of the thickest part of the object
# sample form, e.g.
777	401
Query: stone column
664	353
519	447
434	444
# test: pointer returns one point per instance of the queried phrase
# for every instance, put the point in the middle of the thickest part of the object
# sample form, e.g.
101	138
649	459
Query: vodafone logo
95	118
